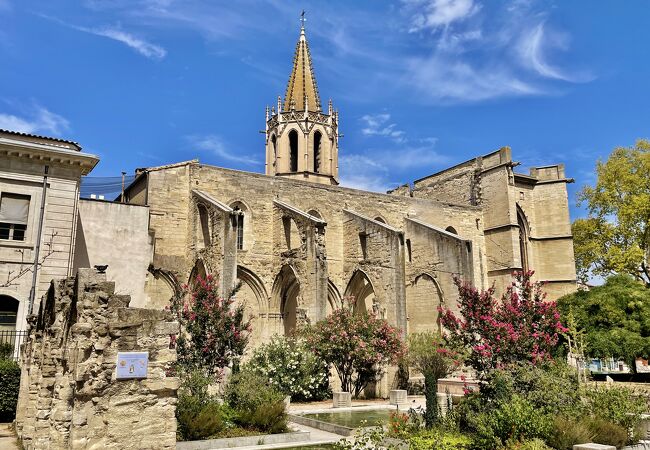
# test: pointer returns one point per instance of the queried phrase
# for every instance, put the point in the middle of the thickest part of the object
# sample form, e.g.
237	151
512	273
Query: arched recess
160	287
293	151
8	312
524	234
451	230
363	292
380	219
318	137
274	149
315	213
254	298
284	298
334	300
423	297
197	271
203	227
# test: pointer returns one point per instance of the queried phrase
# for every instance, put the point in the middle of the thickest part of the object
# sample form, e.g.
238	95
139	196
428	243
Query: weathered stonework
69	396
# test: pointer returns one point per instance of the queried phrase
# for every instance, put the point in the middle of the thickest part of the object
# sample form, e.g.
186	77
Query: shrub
567	432
198	418
437	440
608	433
356	345
256	403
292	368
617	405
533	444
522	326
9	386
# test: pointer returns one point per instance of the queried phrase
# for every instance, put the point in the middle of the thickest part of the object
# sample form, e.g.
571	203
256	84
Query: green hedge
9	384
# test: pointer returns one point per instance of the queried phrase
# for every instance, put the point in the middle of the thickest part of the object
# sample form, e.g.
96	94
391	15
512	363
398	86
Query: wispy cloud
379	125
41	120
139	45
216	145
433	14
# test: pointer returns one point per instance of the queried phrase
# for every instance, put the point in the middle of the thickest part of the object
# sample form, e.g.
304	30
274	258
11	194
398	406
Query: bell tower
302	140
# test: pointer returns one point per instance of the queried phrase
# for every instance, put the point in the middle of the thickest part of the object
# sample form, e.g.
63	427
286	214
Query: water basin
353	419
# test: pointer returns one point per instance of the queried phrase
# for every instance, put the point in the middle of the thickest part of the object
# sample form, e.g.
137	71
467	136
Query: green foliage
358	346
532	444
617	405
438	440
9	385
615	318
292	368
6	350
615	238
569	431
256	403
199	415
607	433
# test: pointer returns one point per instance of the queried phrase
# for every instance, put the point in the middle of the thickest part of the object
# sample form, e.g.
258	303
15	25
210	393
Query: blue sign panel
132	365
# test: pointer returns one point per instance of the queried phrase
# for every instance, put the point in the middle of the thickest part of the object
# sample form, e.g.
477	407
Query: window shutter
14	208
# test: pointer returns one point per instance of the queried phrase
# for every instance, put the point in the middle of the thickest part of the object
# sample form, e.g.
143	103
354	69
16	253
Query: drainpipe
37	250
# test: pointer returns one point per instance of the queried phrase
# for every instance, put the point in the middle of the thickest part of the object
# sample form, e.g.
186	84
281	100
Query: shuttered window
14	212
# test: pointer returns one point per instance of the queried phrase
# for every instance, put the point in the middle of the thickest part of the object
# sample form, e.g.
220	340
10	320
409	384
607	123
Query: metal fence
10	343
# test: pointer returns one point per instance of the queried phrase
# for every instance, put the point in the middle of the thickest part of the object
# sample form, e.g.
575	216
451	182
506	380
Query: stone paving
7	437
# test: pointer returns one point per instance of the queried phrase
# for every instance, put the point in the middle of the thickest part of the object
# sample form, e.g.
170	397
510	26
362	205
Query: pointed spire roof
302	81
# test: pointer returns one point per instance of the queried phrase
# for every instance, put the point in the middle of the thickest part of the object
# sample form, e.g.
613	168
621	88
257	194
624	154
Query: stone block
592	446
398	397
342	400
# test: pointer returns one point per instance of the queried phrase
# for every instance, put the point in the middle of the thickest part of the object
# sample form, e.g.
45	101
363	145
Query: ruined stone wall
69	395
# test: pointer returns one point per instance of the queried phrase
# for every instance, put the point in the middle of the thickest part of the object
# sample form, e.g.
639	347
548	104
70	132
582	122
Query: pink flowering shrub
522	326
214	332
356	345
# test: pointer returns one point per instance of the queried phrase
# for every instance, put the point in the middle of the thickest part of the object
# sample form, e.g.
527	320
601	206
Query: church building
300	243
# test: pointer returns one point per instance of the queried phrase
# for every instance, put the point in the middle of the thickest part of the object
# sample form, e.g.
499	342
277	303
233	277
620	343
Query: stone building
299	243
39	198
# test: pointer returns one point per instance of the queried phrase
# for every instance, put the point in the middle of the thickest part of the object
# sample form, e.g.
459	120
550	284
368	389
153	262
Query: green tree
615	238
615	318
427	354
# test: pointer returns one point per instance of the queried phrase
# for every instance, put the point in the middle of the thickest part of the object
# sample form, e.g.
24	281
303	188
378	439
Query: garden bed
244	441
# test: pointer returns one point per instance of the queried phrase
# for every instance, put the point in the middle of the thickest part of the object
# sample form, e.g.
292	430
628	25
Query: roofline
458	165
86	161
38	136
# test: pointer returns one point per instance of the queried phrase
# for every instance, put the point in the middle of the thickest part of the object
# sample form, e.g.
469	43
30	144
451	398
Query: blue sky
420	84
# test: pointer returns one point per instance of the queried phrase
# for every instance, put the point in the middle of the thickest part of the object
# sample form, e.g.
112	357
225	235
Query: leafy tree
356	345
214	332
615	318
615	238
522	326
427	354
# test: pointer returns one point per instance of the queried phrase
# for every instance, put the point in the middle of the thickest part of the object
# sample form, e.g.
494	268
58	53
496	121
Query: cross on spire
303	19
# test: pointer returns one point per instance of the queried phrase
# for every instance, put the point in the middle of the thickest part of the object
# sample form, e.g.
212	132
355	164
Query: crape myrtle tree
521	326
357	345
214	331
615	237
428	354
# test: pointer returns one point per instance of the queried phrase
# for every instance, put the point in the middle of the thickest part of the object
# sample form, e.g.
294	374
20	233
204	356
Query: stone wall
69	395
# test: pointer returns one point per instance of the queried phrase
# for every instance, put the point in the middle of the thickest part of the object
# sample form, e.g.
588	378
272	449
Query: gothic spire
302	81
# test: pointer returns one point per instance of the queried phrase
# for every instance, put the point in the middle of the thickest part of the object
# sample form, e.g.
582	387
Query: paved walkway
7	437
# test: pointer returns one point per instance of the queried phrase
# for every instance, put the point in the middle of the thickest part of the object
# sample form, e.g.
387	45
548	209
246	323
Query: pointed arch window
523	239
274	145
293	151
317	151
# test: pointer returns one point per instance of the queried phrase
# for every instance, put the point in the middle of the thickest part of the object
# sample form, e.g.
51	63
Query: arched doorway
423	297
8	313
285	296
361	289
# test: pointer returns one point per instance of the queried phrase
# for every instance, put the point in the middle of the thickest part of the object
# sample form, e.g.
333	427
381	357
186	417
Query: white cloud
378	125
151	51
217	146
141	46
41	121
434	14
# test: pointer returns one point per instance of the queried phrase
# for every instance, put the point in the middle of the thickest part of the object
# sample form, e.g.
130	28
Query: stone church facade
299	243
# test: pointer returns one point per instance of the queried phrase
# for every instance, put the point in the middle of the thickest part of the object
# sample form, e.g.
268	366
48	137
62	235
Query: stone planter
398	397
342	400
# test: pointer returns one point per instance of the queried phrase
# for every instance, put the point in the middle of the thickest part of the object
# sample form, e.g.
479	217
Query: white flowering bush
292	368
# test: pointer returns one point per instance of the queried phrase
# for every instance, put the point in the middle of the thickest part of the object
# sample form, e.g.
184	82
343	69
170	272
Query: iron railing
10	343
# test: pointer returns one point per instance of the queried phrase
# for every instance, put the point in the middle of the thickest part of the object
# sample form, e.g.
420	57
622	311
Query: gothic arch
293	142
381	220
334	300
423	297
524	236
203	234
451	230
198	270
315	213
360	287
253	296
284	298
274	147
317	150
161	286
244	222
